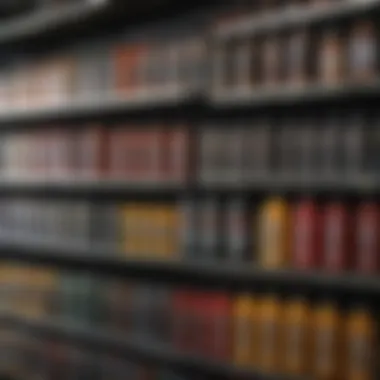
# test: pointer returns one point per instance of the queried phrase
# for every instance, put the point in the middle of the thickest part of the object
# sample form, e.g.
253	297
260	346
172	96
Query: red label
306	235
367	238
175	155
336	234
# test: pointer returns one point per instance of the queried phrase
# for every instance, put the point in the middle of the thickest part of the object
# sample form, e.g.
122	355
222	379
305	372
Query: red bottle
174	165
306	235
367	244
220	327
336	238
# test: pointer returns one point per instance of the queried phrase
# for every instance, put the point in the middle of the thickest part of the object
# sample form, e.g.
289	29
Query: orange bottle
170	232
243	325
360	345
296	335
173	232
273	246
269	334
327	343
147	243
154	225
255	331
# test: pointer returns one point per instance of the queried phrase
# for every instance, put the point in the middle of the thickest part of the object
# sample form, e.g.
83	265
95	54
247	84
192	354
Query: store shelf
132	347
295	17
289	96
79	17
180	99
90	189
201	274
98	107
350	183
48	19
121	190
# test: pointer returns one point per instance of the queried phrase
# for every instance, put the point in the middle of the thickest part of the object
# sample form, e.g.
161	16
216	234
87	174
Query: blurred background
189	191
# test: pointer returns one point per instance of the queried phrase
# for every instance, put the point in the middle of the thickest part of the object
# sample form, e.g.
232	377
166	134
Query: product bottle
327	347
367	244
336	238
188	226
330	60
145	238
243	330
296	335
162	236
296	58
221	323
209	229
273	247
306	235
362	50
360	345
269	336
236	231
271	58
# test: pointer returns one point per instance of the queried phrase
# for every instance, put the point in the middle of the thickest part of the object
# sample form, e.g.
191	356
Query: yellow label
273	234
243	330
327	348
269	334
296	337
361	333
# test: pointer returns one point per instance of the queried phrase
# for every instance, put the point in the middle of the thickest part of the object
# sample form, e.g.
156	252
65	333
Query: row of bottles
292	334
305	234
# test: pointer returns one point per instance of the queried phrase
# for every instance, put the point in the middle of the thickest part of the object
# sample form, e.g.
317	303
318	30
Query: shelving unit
197	105
49	19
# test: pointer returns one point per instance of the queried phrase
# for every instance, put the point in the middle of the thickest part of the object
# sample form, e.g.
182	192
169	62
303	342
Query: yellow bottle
269	335
161	232
296	335
243	331
172	232
360	345
327	350
141	233
273	239
153	221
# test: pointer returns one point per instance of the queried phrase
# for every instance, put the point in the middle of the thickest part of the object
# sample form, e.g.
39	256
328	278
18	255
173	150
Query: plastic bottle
327	347
273	248
360	345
